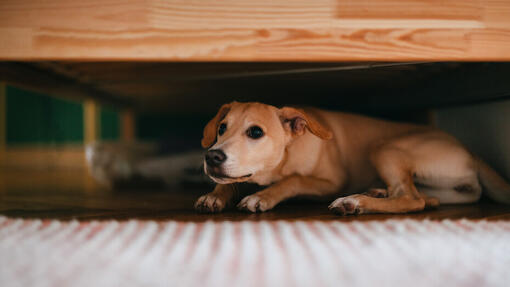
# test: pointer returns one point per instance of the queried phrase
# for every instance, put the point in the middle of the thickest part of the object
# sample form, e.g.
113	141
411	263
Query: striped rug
300	253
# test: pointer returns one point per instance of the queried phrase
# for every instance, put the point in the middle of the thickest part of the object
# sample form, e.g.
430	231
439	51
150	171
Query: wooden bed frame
138	53
248	30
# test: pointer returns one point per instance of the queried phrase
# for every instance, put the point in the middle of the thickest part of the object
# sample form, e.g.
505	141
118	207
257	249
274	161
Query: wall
483	128
36	118
44	132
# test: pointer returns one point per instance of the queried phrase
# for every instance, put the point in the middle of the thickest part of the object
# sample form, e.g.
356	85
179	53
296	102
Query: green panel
158	126
109	124
37	118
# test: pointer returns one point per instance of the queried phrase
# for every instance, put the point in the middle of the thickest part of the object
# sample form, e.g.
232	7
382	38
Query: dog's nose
215	157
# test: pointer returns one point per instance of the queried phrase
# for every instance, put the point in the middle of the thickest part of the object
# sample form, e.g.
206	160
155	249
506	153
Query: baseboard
43	158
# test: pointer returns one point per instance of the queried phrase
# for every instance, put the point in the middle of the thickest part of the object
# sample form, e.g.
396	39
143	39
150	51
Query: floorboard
72	194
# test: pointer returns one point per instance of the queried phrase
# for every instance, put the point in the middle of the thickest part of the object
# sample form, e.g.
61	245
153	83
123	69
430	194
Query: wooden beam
128	126
262	30
469	84
3	118
40	77
91	124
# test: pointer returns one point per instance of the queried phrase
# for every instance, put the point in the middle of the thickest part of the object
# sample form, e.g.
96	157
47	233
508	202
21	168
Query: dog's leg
394	168
382	193
109	162
222	196
376	192
289	187
121	163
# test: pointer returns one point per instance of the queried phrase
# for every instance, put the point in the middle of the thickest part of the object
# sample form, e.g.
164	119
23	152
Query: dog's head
245	139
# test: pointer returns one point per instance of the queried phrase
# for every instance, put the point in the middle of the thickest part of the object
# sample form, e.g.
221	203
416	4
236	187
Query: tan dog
309	152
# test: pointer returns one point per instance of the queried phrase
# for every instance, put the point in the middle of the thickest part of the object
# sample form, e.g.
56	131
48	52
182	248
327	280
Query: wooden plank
263	30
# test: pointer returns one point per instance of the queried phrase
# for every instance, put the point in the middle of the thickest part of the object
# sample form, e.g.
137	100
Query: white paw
209	203
107	164
254	203
346	205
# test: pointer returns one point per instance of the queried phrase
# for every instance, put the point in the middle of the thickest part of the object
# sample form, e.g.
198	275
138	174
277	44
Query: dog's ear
211	128
296	120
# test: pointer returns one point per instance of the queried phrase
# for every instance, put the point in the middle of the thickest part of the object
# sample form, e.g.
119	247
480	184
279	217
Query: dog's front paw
107	164
255	203
210	204
346	205
377	192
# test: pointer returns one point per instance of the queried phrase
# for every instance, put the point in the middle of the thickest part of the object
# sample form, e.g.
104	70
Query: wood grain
410	9
268	30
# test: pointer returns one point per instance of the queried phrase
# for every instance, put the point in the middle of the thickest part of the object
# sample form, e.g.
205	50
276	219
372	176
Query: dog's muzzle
213	161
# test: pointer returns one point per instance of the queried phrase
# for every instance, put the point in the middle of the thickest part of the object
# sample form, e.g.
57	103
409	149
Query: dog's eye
255	132
222	129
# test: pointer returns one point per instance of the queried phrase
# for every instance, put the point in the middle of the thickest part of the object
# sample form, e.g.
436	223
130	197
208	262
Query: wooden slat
263	30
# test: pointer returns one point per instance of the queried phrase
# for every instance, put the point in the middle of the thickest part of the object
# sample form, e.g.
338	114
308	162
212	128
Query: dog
367	165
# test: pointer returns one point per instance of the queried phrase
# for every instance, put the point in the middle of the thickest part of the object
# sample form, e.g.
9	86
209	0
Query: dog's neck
270	174
293	161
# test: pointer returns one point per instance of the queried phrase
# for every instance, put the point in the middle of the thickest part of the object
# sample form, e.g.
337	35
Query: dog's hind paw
345	206
209	204
255	203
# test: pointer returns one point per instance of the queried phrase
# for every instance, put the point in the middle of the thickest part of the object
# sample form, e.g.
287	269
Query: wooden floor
73	195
